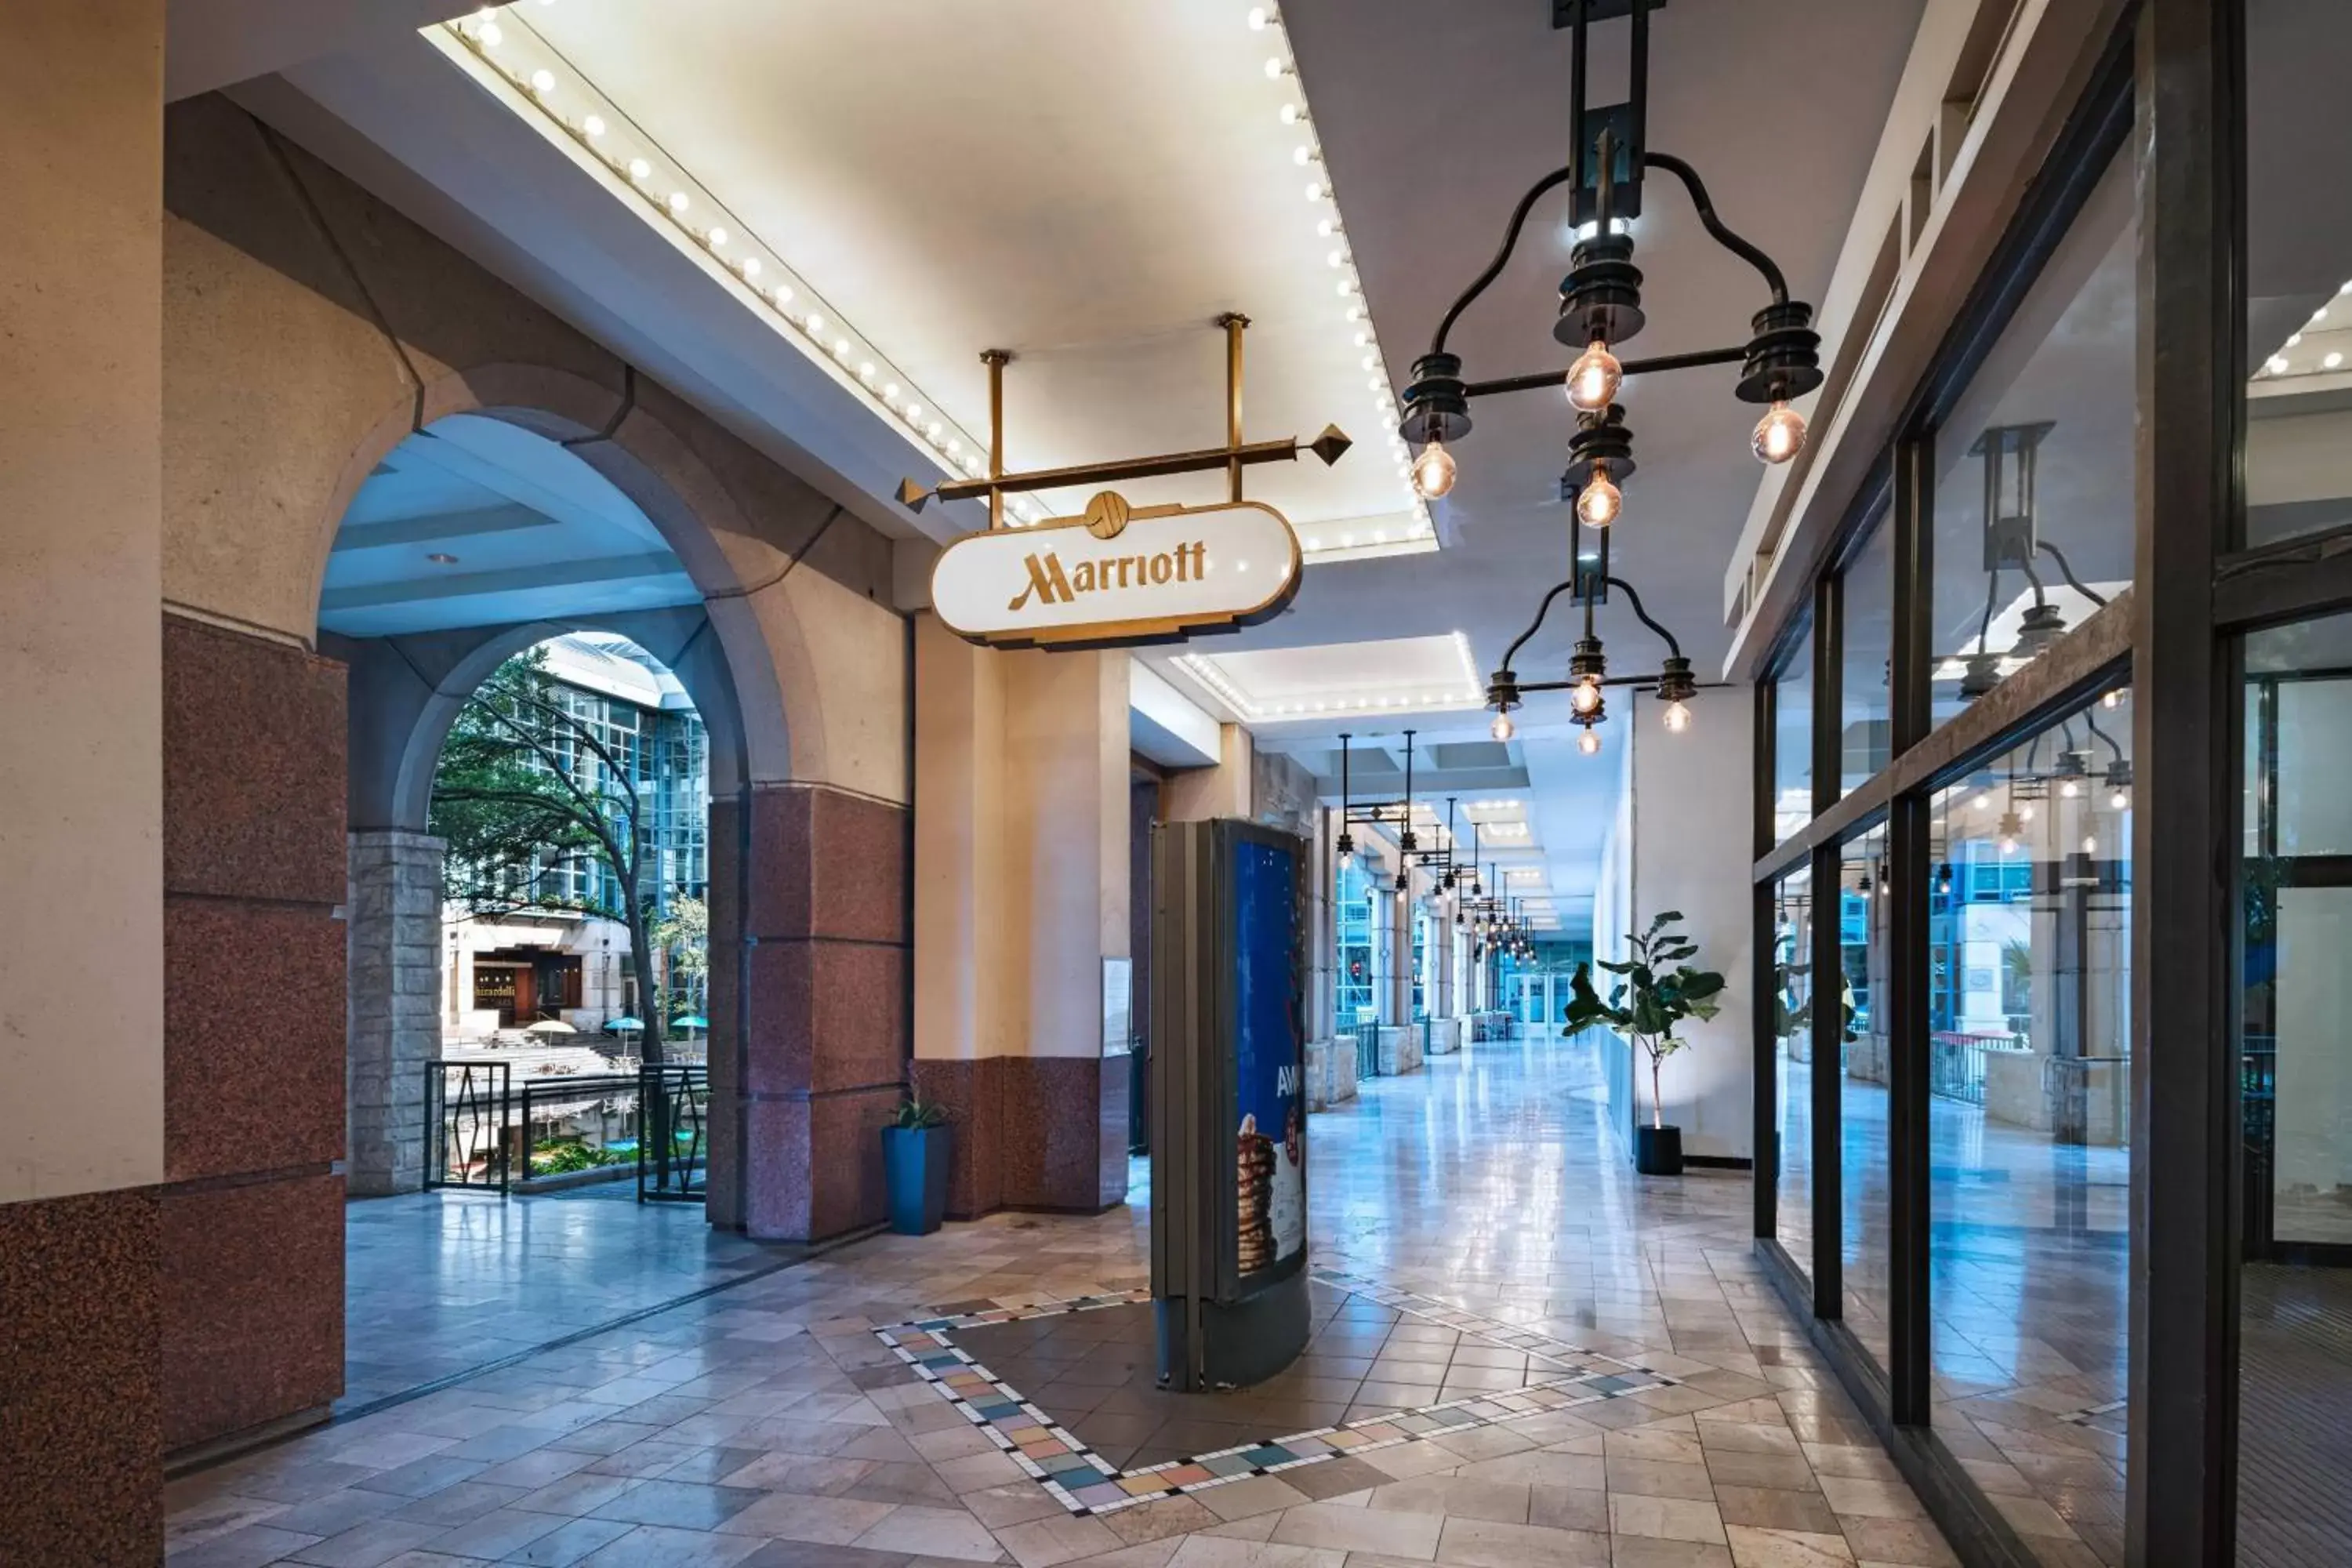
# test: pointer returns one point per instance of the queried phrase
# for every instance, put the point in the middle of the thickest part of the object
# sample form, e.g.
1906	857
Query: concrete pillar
393	925
1021	893
81	950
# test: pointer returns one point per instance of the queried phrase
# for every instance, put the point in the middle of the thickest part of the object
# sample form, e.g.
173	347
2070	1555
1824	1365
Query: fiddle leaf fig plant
1656	992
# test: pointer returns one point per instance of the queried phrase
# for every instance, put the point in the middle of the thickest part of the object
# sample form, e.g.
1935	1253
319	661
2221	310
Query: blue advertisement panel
1269	1078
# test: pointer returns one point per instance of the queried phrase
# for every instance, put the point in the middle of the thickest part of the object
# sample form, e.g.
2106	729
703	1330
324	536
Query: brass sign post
1086	581
1233	457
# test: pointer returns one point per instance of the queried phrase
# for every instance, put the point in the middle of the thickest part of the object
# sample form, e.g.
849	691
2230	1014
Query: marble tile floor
767	1425
440	1283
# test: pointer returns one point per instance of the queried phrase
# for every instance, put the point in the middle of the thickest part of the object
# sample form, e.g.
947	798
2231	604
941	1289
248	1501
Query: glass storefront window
2295	1078
2028	1035
1792	936
1866	649
1792	740
1863	1079
2033	468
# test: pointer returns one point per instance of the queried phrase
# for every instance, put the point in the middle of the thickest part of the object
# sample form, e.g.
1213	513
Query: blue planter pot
915	1177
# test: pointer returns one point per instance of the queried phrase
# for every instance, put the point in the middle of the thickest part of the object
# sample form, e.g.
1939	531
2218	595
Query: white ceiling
477	522
1089	186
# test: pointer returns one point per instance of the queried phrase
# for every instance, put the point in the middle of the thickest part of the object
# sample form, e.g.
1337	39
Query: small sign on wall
1118	575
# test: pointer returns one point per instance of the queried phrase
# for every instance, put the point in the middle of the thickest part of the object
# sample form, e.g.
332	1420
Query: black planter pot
915	1177
1658	1150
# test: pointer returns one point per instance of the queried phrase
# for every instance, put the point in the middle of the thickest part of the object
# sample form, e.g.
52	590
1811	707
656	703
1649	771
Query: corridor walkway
1550	1362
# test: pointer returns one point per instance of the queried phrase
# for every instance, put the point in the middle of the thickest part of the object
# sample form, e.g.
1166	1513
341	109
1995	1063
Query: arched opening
542	714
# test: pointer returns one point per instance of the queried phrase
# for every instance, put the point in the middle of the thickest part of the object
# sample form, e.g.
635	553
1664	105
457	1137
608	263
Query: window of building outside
1792	918
2033	467
1865	1195
1353	910
2030	1117
1419	919
1792	740
1866	649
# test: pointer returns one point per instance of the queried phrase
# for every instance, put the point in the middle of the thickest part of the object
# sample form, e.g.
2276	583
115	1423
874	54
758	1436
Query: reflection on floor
769	1423
2295	1504
2029	1250
440	1283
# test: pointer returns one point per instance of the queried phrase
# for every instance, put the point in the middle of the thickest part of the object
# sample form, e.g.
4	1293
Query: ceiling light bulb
866	371
542	81
2025	812
914	413
1501	729
717	239
2275	364
1584	696
890	391
593	125
934	430
1984	803
2112	699
1275	69
1336	258
1600	501
783	293
1677	717
1290	114
2331	361
490	35
815	323
751	266
1347	286
2069	790
1588	743
1257	20
2293	339
1315	191
2090	844
639	169
1302	155
2119	801
677	201
840	348
1594	378
1434	471
1779	434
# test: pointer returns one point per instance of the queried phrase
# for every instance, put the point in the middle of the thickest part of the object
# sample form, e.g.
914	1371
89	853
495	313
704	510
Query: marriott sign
1116	576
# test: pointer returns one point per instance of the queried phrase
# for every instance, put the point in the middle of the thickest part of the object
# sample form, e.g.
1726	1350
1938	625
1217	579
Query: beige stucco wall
307	328
1020	846
81	945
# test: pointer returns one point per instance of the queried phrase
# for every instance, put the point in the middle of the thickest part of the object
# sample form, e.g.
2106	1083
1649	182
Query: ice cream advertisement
1270	1141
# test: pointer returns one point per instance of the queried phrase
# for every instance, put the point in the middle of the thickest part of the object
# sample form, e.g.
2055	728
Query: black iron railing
466	1122
675	1149
487	1129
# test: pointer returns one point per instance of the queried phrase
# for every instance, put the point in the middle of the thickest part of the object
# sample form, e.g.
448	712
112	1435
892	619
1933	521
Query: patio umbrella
626	1025
691	1021
550	1027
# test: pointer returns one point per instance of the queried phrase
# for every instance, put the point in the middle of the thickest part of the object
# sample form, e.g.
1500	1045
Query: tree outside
532	784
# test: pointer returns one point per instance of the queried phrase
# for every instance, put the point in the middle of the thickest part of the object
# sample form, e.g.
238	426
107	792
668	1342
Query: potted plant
915	1151
1658	991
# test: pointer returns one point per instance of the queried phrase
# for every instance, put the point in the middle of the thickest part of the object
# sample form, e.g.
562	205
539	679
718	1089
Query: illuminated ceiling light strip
1293	118
527	74
1202	668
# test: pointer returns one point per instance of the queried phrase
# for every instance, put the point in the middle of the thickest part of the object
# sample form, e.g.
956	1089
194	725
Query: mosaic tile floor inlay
1087	1484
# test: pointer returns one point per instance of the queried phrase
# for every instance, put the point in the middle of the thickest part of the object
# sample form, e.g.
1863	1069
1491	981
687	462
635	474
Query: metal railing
674	1151
487	1130
1956	1062
466	1122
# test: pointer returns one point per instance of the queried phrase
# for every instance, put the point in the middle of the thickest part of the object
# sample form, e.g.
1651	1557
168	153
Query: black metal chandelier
1601	305
1588	666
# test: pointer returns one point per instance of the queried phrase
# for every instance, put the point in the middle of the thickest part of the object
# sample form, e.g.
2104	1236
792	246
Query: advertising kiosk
1228	1101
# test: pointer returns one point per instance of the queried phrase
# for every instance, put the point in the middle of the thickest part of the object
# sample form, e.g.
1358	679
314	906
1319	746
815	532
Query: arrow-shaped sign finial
1330	445
911	495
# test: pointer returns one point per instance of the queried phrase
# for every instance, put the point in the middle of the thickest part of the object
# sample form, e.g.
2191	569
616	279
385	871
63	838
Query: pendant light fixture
2012	539
1601	303
1588	666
